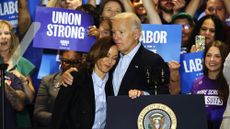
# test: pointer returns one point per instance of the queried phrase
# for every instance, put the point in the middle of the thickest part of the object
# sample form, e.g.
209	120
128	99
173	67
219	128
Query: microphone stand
155	81
3	67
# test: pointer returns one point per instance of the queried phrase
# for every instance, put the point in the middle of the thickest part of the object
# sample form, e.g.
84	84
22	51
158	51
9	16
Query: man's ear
137	34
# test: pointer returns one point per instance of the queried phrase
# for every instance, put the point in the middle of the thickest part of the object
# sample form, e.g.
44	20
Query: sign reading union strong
157	116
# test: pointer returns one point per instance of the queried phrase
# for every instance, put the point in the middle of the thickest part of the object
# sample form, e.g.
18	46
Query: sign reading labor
191	68
162	39
9	11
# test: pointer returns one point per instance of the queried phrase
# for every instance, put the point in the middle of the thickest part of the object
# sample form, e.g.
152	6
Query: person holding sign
226	117
83	104
213	85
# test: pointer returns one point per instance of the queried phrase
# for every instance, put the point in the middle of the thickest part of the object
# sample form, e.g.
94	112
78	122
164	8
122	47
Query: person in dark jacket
83	104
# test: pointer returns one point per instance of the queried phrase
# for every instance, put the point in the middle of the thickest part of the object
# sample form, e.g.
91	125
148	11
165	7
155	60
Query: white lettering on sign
7	8
154	37
193	65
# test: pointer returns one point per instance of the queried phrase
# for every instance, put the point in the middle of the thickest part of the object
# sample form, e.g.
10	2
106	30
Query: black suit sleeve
62	105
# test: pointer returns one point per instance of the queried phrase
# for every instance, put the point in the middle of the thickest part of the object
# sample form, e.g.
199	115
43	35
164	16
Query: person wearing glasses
187	23
49	88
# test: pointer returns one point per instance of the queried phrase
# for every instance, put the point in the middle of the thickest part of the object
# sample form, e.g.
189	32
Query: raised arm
128	5
28	87
226	70
92	2
174	84
24	19
227	6
152	14
192	7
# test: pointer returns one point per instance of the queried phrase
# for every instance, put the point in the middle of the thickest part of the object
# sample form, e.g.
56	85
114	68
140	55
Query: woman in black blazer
83	104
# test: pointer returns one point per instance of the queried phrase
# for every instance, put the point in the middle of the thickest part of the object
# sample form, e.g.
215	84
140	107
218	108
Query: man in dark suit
139	71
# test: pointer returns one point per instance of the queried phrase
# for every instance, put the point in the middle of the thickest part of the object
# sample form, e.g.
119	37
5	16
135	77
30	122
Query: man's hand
173	65
134	93
178	5
67	78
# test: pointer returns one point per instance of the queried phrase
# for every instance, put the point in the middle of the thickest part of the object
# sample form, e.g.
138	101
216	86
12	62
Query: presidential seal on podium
157	116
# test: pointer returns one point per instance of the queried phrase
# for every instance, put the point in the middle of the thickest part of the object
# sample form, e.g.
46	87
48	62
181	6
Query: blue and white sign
49	64
63	29
163	39
191	68
9	11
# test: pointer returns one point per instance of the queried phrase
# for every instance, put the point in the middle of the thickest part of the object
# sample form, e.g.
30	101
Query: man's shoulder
51	76
149	55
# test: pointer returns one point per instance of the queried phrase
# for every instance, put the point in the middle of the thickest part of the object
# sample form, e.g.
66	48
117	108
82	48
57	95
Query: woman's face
208	30
70	59
111	8
5	37
71	4
104	64
104	29
213	59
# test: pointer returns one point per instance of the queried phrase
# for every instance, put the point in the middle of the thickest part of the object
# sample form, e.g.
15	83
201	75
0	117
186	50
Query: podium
156	112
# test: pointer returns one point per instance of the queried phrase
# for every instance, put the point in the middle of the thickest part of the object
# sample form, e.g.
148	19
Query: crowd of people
117	63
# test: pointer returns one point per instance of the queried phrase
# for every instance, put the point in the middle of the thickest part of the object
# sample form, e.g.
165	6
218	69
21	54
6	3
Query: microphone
152	82
162	76
147	76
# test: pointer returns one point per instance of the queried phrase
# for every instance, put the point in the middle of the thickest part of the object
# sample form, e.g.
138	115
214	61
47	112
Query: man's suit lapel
134	64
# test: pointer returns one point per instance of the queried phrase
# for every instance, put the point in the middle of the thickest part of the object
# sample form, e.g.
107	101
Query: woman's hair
106	1
99	50
14	39
219	29
224	50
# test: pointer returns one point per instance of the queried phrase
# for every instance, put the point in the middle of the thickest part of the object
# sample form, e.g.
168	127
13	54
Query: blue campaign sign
63	29
49	64
9	11
191	68
163	39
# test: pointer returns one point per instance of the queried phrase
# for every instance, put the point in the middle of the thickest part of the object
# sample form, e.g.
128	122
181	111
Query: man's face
124	35
216	7
166	5
186	29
